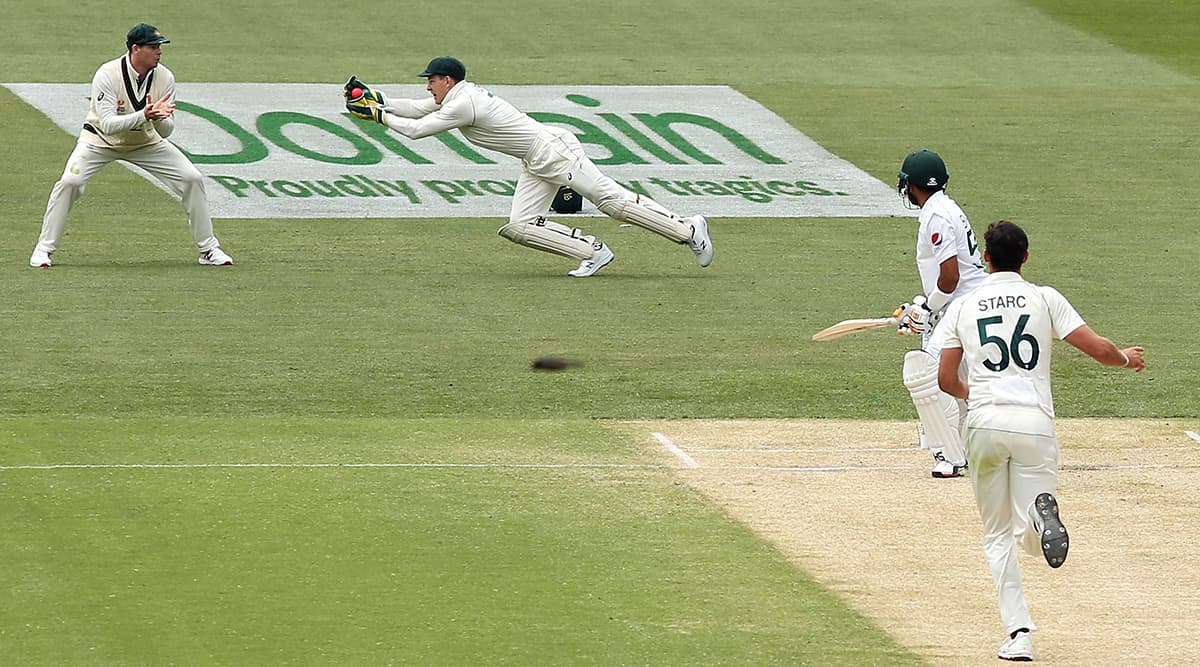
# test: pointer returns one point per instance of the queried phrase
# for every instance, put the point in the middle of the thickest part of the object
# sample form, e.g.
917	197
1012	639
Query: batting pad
549	236
937	410
648	215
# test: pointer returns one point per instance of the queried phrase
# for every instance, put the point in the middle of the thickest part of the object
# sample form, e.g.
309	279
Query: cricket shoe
39	259
1018	648
215	257
601	257
943	469
701	243
1055	542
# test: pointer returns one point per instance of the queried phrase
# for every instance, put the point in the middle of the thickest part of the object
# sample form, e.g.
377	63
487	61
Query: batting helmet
922	168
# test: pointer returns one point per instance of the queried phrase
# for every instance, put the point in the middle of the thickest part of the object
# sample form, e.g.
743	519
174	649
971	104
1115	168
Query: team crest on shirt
936	239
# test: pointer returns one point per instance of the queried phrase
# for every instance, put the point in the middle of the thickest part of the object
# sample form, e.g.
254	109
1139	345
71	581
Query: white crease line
687	461
1193	435
914	448
1066	467
1140	466
824	468
802	450
671	447
125	466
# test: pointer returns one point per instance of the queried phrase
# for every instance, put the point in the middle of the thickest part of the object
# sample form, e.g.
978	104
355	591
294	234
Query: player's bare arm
948	275
948	379
916	317
1105	351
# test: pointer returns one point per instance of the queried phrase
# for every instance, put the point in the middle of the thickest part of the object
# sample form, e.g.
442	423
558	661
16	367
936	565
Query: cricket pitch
852	503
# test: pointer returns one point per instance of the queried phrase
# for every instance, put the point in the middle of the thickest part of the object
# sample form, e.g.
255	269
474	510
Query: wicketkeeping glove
368	111
915	318
367	95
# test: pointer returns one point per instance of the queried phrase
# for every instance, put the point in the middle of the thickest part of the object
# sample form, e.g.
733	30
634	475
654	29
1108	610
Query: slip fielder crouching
131	115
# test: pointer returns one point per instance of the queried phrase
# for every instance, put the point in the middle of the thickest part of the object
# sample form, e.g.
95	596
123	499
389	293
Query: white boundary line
674	449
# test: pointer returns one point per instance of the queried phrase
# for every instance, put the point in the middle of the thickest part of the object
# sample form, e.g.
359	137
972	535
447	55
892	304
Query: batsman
551	157
950	266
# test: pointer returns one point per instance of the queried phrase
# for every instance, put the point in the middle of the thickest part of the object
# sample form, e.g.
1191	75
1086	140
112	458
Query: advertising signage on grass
292	151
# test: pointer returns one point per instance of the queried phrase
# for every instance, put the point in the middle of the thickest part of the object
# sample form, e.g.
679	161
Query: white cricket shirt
116	115
484	119
944	232
1006	329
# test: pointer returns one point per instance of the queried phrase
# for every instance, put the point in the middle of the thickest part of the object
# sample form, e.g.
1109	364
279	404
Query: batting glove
367	111
366	95
915	318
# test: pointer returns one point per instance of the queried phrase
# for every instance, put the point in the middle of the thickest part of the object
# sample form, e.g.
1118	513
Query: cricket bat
847	327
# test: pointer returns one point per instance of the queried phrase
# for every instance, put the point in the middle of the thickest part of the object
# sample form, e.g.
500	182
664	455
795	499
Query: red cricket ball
357	92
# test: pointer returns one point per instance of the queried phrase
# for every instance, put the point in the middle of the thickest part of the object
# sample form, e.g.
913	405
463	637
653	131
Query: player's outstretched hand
368	111
357	92
348	90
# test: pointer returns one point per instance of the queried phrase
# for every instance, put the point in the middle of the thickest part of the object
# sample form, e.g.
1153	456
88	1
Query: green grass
1161	29
408	341
439	565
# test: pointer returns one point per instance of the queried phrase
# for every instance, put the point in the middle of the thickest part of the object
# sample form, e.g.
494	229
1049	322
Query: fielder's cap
144	33
446	66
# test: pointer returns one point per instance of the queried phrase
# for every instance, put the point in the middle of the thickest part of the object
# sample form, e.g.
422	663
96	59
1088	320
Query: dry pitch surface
853	504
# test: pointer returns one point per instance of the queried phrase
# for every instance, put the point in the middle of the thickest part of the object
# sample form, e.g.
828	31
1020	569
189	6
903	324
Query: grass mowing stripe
1166	30
828	42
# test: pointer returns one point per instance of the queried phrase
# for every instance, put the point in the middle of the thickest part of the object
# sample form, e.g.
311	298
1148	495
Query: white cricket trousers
163	160
556	159
1013	456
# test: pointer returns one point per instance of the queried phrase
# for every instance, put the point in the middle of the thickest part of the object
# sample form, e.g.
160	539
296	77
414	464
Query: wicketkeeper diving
550	157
